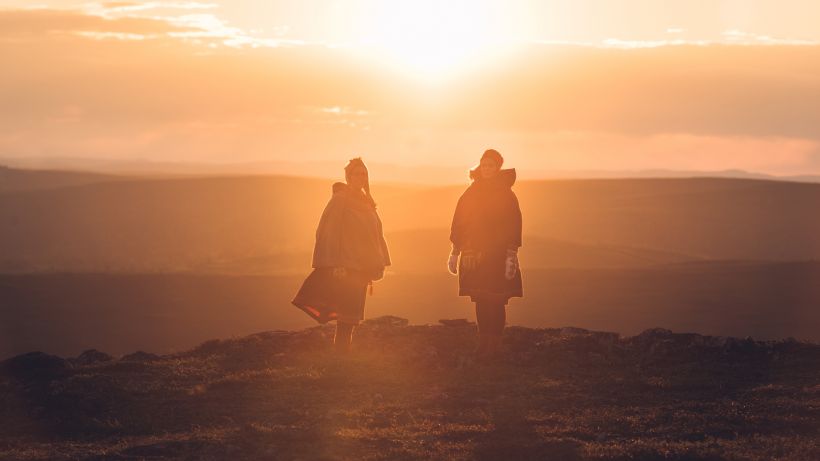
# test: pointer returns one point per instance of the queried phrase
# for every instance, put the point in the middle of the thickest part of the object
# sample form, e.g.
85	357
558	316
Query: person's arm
457	237
458	228
327	251
514	238
515	228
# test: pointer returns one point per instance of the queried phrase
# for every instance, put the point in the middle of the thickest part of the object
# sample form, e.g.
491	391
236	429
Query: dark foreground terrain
413	392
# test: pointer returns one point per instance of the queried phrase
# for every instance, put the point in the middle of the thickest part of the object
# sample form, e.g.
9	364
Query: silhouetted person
350	253
486	232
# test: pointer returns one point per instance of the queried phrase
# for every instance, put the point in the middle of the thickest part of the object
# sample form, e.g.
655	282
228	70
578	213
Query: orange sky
581	85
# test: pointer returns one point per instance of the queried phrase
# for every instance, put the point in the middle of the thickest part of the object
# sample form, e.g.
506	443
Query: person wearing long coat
350	253
486	236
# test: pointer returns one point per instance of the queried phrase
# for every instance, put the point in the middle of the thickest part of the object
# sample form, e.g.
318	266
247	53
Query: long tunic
487	223
349	235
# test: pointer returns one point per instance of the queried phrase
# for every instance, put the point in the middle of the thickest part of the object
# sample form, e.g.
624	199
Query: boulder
140	356
91	357
456	322
389	321
34	365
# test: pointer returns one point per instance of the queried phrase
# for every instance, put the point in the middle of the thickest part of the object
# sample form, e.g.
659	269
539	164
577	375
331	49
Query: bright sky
555	85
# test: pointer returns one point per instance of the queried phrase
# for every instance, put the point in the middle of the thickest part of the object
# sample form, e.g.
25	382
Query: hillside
162	225
413	392
159	224
67	313
418	251
713	218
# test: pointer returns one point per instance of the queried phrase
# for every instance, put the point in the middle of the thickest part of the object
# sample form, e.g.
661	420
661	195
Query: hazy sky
582	84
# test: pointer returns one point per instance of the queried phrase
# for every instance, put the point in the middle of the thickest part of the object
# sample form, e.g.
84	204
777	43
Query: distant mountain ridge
383	172
176	224
19	180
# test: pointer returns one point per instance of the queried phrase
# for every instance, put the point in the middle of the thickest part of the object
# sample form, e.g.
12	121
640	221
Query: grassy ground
414	392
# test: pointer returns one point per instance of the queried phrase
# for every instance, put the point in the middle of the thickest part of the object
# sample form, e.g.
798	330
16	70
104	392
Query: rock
386	321
209	347
140	356
92	356
653	340
573	331
311	339
456	322
656	333
34	365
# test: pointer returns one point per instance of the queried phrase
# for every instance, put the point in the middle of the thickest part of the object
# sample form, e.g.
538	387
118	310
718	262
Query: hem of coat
316	313
502	297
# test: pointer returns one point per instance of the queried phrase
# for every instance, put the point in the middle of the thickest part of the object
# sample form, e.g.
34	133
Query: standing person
350	253
486	233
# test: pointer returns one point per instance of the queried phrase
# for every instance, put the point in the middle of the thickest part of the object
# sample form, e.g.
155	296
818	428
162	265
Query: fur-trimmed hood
506	177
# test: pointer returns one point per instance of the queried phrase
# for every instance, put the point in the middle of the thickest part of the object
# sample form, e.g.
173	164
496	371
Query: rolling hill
168	262
183	224
17	180
68	313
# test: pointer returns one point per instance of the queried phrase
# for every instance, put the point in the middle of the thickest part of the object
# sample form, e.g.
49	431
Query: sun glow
434	39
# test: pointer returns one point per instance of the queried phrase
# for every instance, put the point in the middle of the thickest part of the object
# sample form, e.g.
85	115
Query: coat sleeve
514	240
383	243
458	228
327	251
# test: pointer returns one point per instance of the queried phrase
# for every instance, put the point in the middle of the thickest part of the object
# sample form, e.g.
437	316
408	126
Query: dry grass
414	392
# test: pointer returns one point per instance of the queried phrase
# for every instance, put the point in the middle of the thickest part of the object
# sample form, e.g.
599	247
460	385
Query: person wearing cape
350	253
486	235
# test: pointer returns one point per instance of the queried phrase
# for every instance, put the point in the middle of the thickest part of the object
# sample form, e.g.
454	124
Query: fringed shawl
350	234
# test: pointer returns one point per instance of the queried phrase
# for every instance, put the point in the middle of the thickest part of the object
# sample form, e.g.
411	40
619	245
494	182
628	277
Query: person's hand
452	263
339	272
511	267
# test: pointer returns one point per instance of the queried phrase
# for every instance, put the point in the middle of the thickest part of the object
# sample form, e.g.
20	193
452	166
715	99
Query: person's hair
354	163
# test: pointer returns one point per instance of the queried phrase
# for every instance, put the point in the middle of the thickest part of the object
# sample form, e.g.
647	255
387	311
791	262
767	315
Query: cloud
632	44
125	21
687	152
111	7
82	84
734	36
706	90
38	23
211	29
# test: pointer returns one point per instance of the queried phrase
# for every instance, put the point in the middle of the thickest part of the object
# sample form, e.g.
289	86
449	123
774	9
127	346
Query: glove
511	266
452	264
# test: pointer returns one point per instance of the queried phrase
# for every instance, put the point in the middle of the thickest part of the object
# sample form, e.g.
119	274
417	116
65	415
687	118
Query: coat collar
505	177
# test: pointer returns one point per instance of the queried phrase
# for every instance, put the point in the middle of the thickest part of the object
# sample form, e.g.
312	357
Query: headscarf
489	153
354	163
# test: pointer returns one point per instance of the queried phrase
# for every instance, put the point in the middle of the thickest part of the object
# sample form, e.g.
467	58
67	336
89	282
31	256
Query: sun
432	39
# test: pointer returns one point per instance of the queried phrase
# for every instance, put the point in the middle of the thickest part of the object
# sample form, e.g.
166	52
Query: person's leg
344	337
491	318
500	318
483	325
496	318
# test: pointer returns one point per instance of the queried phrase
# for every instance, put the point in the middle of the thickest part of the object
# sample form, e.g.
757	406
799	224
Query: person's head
490	165
356	175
